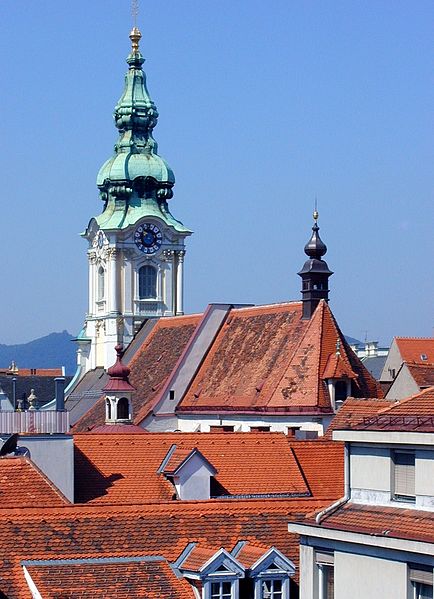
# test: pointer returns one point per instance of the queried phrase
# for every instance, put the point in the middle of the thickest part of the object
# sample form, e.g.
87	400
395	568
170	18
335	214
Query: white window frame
220	578
265	576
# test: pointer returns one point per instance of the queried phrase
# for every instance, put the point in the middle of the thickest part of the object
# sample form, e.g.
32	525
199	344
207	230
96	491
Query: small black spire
315	272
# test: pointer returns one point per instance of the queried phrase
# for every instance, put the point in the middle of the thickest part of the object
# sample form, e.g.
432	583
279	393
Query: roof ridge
400	402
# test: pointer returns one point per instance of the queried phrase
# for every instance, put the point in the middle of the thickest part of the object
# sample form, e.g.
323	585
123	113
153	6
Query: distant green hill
52	351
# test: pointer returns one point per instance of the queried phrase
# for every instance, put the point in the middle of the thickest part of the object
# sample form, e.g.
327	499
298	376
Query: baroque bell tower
136	247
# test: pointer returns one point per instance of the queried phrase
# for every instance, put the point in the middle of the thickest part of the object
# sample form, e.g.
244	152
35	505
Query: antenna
135	11
9	446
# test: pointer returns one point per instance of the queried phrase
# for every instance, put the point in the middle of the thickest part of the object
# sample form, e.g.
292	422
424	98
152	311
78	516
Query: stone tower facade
136	247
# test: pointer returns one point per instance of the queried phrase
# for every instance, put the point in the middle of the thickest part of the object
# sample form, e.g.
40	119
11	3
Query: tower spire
315	272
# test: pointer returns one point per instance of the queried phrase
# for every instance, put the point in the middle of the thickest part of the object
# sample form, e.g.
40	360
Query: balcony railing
47	422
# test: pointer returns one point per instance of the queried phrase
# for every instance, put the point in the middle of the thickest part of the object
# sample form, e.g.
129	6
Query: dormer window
423	357
221	590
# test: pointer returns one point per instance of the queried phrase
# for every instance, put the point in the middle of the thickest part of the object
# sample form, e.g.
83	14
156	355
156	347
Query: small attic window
172	394
423	357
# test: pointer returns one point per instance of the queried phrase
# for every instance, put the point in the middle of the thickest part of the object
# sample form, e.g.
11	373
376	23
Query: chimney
60	394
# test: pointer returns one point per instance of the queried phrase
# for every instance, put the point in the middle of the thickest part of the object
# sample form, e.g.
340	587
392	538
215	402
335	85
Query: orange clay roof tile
423	374
353	411
118	468
139	579
380	521
412	348
150	367
150	530
23	485
267	358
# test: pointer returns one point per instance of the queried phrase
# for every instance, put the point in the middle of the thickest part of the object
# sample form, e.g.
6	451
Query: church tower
136	247
315	272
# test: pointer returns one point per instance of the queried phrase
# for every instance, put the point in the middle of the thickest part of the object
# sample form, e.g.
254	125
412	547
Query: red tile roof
23	485
198	557
112	469
250	554
411	349
121	579
267	358
414	414
150	367
423	374
399	523
322	463
352	412
160	530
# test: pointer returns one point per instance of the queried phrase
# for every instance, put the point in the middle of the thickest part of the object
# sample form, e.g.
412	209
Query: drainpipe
347	489
59	383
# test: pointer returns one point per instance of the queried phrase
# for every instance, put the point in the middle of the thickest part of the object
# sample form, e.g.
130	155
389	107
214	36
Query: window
403	476
421	578
101	284
423	357
326	579
341	391
272	589
123	412
108	410
221	590
147	282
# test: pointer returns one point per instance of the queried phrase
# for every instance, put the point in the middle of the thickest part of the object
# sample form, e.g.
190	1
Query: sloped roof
267	358
411	349
322	463
398	523
150	367
423	374
23	485
123	578
352	412
415	413
153	530
112	469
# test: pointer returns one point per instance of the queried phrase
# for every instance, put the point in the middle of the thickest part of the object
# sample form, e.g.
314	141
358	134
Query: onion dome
315	272
118	374
136	154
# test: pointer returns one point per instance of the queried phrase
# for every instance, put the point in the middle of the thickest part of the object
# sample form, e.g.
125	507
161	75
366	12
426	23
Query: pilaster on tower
136	246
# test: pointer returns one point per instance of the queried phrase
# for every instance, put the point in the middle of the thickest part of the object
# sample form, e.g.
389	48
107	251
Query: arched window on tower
101	283
122	409
108	409
147	282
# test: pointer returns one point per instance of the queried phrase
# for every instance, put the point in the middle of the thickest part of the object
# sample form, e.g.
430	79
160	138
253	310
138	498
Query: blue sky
263	106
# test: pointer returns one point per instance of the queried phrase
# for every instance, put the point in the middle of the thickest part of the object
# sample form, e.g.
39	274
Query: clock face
148	238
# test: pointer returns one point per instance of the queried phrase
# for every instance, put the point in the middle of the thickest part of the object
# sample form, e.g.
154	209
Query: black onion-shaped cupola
315	272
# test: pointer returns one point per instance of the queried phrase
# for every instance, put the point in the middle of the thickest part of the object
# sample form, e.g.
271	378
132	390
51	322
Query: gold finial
315	212
135	37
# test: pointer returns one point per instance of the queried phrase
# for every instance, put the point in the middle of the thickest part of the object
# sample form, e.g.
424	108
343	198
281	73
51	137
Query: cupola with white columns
136	247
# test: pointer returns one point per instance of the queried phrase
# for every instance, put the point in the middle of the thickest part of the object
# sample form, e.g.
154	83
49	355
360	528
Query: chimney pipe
60	393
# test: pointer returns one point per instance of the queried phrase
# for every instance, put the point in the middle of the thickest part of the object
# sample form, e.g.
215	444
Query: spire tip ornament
135	37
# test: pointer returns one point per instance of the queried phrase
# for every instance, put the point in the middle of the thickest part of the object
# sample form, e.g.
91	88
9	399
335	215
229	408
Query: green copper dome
135	182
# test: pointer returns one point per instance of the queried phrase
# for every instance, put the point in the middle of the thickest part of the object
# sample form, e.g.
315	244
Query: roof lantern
315	272
118	373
